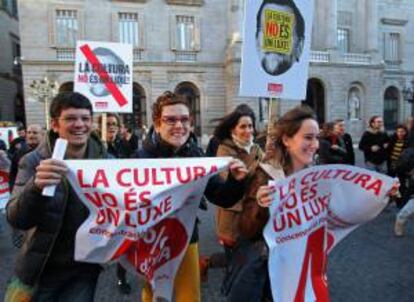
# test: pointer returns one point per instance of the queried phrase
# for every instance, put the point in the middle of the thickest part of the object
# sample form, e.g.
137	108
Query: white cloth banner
311	212
4	189
142	211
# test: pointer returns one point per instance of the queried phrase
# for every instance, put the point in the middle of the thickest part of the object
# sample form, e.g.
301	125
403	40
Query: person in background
129	141
405	172
332	148
340	130
398	143
374	143
114	148
34	136
19	142
235	134
170	137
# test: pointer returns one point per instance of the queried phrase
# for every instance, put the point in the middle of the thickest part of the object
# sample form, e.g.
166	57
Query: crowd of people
45	267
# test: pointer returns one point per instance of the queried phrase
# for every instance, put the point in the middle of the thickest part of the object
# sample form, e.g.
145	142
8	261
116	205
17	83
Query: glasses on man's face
172	120
72	119
111	124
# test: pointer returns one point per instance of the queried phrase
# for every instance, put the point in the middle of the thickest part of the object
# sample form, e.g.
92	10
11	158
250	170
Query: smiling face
303	145
174	125
75	125
243	131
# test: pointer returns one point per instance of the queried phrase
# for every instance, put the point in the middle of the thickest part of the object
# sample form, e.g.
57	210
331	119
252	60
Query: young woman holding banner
171	137
295	142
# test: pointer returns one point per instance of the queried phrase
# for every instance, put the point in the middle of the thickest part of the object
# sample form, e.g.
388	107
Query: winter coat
254	217
405	172
371	138
328	155
227	220
41	217
349	146
224	194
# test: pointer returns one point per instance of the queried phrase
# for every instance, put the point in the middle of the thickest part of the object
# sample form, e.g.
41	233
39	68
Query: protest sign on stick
103	73
276	48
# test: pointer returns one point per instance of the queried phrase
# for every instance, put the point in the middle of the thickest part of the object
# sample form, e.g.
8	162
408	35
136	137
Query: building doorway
315	98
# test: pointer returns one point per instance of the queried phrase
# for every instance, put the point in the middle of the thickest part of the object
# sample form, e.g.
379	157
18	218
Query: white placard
103	73
276	48
7	134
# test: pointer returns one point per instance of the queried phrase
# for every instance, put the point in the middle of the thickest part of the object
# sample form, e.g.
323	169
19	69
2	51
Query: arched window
138	118
192	94
391	108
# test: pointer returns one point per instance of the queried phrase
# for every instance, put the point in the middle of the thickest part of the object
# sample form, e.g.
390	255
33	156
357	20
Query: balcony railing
320	56
347	58
65	54
357	58
185	56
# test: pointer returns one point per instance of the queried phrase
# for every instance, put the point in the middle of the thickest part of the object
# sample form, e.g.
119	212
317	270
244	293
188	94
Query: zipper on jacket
65	185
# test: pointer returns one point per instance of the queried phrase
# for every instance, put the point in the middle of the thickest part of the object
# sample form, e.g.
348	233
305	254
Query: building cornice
395	22
136	64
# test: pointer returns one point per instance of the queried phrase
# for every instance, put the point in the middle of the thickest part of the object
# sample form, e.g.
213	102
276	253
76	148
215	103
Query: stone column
331	11
371	26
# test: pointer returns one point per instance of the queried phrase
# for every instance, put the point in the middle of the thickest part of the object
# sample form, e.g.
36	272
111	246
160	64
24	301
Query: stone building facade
359	63
11	94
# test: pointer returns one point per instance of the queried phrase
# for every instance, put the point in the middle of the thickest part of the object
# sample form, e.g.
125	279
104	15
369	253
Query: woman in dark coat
171	138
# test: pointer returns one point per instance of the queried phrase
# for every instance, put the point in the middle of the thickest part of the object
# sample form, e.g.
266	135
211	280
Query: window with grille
129	29
392	47
66	28
343	40
391	108
185	33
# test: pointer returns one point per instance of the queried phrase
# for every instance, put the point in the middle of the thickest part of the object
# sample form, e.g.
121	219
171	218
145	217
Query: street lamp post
44	90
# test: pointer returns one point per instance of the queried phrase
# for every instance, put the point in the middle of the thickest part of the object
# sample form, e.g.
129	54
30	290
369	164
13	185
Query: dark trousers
248	277
78	288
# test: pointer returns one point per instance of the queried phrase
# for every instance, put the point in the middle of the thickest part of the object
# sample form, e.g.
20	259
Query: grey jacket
41	217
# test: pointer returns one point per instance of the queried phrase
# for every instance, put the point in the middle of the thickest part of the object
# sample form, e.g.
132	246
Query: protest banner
103	73
311	212
7	134
4	189
276	48
142	212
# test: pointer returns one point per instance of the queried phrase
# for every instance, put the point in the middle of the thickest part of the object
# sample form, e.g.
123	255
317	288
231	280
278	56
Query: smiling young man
46	260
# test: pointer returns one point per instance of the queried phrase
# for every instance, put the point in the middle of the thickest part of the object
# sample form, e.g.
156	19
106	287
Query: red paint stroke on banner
113	89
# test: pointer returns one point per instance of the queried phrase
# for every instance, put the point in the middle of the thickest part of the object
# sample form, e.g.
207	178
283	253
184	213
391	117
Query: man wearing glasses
46	260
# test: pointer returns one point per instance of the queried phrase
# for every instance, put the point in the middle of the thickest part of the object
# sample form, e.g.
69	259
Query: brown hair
372	119
168	98
288	125
110	114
